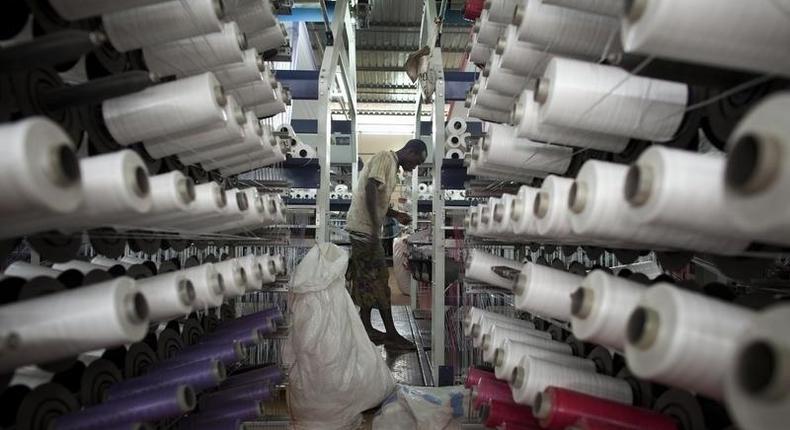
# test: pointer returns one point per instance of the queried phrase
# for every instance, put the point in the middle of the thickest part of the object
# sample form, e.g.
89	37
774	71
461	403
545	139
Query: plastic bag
400	260
335	371
423	408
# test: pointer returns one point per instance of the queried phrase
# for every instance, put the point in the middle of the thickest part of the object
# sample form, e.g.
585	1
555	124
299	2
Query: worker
370	205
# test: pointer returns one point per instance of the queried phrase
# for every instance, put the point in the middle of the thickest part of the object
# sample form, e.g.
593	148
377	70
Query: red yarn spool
475	375
516	426
491	389
499	413
586	424
558	408
473	9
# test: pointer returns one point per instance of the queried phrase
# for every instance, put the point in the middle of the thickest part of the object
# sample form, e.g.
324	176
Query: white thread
528	125
25	270
567	31
600	313
169	295
684	339
500	146
540	374
497	335
73	10
473	315
254	93
552	216
546	291
757	201
522	212
480	52
456	126
479	266
614	8
253	164
454	154
234	277
208	286
521	57
489	31
172	109
82	266
64	324
502	80
502	11
268	39
237	74
764	404
258	140
161	23
252	16
170	193
512	352
740	35
483	326
197	54
608	100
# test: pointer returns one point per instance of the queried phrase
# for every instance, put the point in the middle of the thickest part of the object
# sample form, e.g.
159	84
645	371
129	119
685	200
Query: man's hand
403	218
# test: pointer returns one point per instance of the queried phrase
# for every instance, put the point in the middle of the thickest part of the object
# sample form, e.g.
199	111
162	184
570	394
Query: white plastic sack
335	371
400	259
423	408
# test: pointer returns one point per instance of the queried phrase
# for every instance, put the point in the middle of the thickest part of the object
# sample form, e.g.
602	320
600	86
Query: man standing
370	205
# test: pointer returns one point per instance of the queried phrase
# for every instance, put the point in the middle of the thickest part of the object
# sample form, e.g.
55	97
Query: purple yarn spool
226	352
267	314
245	337
266	324
199	376
243	411
144	406
270	374
230	424
257	391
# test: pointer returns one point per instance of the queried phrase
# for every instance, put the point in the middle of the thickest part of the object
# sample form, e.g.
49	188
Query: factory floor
410	368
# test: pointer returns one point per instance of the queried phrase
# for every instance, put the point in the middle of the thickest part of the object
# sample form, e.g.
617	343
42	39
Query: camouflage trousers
369	274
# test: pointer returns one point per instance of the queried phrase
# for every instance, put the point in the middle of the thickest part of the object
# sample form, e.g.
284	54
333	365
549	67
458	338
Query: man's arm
371	198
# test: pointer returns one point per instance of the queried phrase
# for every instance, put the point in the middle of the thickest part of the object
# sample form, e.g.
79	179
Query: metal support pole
326	79
415	197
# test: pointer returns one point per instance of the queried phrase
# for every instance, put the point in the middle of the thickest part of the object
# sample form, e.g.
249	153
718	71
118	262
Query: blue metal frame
310	126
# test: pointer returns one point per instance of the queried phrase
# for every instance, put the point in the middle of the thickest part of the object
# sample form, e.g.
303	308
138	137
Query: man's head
413	153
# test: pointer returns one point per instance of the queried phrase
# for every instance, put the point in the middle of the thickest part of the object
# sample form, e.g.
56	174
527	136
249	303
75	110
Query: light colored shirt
383	168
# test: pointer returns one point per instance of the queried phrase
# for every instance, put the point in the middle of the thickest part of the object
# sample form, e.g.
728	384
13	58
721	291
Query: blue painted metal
308	13
302	83
302	172
457	84
310	126
454	175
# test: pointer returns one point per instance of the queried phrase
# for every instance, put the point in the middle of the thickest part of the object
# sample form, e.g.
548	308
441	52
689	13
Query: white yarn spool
479	52
599	211
236	74
501	11
545	291
256	139
343	188
454	154
600	308
208	285
491	98
171	194
82	266
197	54
213	213
456	126
129	260
254	93
302	150
251	219
486	321
502	225
267	39
169	295
161	22
454	141
486	113
39	172
684	339
25	270
552	216
497	335
253	269
253	16
209	198
286	128
521	57
522	213
234	278
609	100
479	267
485	168
269	265
422	187
472	316
528	125
614	8
568	31
488	31
501	80
657	188
534	375
172	109
64	324
756	42
512	352
271	108
501	146
756	383
757	180
73	10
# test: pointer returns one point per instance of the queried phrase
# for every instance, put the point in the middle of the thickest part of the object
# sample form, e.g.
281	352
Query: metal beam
395	49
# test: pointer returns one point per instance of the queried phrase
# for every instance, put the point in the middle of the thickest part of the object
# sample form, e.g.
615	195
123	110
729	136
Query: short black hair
417	146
